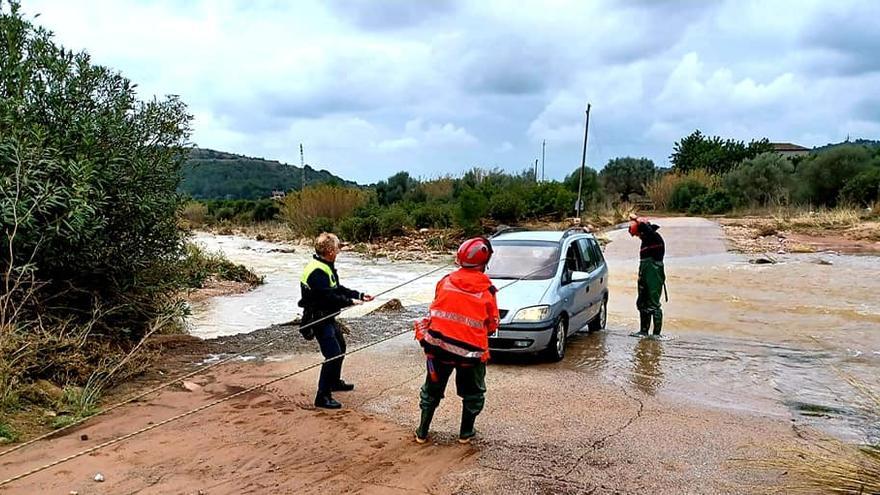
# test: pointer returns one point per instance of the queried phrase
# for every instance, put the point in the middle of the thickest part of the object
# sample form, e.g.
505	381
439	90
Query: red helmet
474	253
634	225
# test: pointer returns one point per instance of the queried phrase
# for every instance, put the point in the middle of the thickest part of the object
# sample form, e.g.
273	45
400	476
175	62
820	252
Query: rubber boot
645	322
658	321
467	431
424	425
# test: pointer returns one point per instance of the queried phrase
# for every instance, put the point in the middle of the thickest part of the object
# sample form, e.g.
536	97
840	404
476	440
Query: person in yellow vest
322	296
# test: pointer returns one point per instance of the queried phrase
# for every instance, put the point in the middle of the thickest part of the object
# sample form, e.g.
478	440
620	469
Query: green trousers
470	385
651	280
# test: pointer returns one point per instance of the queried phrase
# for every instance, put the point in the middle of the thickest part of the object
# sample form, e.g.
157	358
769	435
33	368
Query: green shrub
359	229
224	214
195	214
506	207
549	198
471	208
863	189
821	177
761	181
93	225
437	216
319	225
713	203
393	221
265	210
684	193
7	434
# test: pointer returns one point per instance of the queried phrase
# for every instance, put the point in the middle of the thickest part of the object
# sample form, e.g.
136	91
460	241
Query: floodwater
776	340
276	301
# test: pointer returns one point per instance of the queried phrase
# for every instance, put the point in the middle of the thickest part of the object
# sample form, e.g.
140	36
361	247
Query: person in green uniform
652	277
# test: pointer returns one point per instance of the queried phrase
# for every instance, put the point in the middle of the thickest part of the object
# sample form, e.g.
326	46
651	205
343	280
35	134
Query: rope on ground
240	393
200	370
194	411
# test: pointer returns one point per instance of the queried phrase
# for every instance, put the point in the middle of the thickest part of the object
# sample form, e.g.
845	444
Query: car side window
573	260
589	256
597	253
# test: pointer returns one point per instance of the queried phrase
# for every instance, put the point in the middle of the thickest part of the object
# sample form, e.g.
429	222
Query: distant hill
870	143
209	174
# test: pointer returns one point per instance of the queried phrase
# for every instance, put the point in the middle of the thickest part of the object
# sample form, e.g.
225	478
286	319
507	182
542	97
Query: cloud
371	88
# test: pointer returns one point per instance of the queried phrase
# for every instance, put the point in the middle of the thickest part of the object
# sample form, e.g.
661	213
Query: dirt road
618	415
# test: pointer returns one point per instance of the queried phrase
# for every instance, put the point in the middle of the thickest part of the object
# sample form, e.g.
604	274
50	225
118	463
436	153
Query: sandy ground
569	427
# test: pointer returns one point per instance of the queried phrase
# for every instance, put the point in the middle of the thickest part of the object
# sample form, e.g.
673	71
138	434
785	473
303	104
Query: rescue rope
240	393
201	369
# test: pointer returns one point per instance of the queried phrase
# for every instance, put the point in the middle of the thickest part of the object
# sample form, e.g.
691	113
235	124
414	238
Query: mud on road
618	415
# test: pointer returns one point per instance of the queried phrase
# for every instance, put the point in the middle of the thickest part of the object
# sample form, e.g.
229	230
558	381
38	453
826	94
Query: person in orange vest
455	337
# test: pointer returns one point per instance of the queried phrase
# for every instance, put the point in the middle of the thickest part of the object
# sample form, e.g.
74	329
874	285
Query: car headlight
533	313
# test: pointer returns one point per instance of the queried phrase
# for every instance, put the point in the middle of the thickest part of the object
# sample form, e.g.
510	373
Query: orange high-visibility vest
462	316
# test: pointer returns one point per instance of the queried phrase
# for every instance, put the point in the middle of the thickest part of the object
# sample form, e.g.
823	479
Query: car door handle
588	289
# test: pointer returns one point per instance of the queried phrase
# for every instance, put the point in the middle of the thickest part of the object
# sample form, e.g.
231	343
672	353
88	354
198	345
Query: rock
423	230
74	492
99	478
192	387
84	437
260	237
282	250
764	260
392	306
821	261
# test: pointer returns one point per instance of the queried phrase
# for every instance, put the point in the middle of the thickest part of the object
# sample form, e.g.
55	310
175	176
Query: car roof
537	235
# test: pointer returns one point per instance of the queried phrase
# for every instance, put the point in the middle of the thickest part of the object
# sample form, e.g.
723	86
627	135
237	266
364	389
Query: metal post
536	170
302	166
543	147
579	204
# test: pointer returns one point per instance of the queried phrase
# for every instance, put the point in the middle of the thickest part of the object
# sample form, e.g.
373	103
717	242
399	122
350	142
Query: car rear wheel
601	319
556	347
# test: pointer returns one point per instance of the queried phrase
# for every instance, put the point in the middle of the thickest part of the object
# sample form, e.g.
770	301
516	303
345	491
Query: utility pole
579	206
302	166
536	170
543	147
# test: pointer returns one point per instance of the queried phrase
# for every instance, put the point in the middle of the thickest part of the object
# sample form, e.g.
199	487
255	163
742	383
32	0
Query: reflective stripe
458	318
317	265
447	285
452	348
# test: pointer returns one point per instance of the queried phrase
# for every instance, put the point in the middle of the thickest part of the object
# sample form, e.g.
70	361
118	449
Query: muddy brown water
777	340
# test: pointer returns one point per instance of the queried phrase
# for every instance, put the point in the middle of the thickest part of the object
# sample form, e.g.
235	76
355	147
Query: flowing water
276	300
777	340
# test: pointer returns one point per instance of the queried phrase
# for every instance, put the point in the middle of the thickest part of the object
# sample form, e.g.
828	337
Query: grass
7	434
660	190
78	403
200	265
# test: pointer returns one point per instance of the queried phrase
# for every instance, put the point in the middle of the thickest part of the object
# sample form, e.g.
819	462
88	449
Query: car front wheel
556	347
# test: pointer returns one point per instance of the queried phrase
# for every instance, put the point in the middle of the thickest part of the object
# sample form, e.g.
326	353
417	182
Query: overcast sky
436	87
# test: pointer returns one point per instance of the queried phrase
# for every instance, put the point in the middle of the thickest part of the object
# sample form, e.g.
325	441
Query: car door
576	293
596	267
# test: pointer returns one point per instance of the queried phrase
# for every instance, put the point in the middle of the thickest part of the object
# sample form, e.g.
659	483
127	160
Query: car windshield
527	260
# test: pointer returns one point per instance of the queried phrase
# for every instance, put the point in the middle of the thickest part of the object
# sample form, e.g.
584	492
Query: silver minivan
555	284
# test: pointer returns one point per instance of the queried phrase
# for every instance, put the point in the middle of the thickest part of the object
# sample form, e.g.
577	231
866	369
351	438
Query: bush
822	177
94	222
195	214
393	221
506	207
224	214
472	207
265	211
319	225
435	216
761	181
359	229
549	198
863	189
624	176
713	203
684	193
330	202
660	190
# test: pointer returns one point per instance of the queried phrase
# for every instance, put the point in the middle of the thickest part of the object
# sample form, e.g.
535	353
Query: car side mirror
579	276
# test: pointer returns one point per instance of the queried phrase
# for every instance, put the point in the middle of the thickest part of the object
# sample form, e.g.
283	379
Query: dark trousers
332	344
470	385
